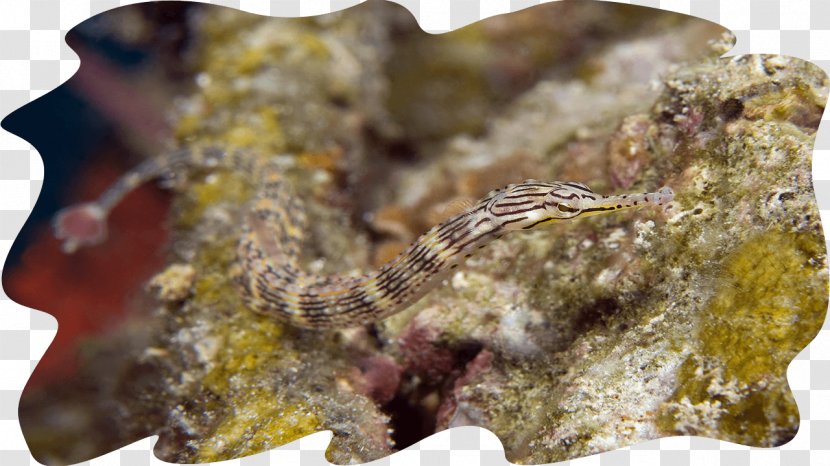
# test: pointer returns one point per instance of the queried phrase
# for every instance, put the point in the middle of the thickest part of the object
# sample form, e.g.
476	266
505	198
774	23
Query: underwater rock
568	341
637	327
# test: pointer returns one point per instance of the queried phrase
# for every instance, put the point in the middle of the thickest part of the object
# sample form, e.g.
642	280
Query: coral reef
565	342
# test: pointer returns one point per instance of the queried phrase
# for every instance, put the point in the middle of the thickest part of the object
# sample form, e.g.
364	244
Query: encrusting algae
568	341
763	313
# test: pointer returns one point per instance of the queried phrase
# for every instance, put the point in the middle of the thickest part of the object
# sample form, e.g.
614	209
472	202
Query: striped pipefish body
272	283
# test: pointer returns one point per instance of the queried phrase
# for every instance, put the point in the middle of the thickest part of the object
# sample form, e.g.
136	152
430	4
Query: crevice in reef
414	409
410	420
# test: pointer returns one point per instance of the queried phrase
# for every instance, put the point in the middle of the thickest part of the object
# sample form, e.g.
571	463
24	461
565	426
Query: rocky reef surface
566	341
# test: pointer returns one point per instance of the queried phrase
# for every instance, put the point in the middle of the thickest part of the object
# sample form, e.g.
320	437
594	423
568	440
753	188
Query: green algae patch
259	421
770	302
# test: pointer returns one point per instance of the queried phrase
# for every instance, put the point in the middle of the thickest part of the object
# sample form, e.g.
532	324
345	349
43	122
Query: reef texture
569	341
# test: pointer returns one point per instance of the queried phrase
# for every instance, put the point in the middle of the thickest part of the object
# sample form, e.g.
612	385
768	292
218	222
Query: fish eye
566	208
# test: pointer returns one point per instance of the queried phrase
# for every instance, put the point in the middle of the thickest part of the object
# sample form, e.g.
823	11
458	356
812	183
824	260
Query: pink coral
423	354
449	406
377	377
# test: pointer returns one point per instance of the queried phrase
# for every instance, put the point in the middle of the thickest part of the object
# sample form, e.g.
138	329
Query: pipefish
271	281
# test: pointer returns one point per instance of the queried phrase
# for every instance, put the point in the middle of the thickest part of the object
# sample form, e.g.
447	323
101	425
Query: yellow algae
218	96
798	104
221	186
260	130
250	60
324	160
768	306
272	134
249	345
314	46
241	136
187	125
212	288
173	283
259	422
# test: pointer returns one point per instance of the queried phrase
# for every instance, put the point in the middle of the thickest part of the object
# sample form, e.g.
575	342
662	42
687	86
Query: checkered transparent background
34	59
